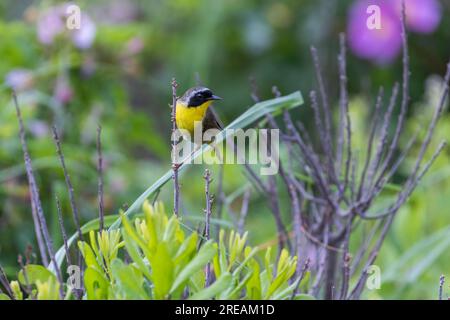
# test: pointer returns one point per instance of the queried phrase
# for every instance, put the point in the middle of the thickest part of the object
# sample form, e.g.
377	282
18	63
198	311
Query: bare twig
244	211
441	286
383	135
343	103
371	138
63	231
69	185
39	238
209	200
271	187
325	106
405	95
175	166
35	196
27	288
5	283
345	275
100	178
220	197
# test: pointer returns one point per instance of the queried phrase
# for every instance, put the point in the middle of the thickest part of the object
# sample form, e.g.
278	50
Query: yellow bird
193	108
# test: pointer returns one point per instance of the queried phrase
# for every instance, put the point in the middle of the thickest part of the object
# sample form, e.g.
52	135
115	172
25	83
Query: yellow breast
187	116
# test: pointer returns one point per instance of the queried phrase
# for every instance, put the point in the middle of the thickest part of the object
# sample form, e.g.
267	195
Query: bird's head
197	96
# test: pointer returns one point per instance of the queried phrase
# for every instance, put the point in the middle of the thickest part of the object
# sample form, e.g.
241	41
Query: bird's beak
214	97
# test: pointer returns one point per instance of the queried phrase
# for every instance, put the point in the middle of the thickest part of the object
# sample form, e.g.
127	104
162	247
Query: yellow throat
187	116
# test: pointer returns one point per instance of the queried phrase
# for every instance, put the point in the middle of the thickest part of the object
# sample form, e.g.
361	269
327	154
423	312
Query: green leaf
34	273
96	284
205	254
254	283
250	116
187	248
196	283
136	237
434	245
134	253
4	297
214	289
304	296
244	263
162	271
89	255
129	280
286	292
235	292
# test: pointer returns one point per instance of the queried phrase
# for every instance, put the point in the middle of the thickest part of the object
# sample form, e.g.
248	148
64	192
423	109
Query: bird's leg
176	166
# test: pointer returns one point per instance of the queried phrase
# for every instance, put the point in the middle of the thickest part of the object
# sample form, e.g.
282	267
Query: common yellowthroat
193	108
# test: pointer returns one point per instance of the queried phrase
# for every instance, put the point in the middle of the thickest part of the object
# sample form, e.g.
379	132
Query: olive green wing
211	120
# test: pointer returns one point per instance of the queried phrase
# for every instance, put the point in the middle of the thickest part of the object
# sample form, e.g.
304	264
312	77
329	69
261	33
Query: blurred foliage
122	81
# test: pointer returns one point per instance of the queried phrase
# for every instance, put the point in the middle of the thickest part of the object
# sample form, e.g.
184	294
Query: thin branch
69	185
271	187
244	211
345	275
63	230
5	283
27	287
371	138
35	195
343	101
325	106
405	95
378	187
209	199
364	247
100	178
220	197
39	238
175	166
441	286
383	135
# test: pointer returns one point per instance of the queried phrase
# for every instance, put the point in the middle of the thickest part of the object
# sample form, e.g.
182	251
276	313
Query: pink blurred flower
63	92
134	46
379	45
422	16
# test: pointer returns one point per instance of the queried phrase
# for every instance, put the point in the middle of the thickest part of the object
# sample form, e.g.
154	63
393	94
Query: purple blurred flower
50	25
422	16
53	23
19	79
380	45
38	128
84	37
